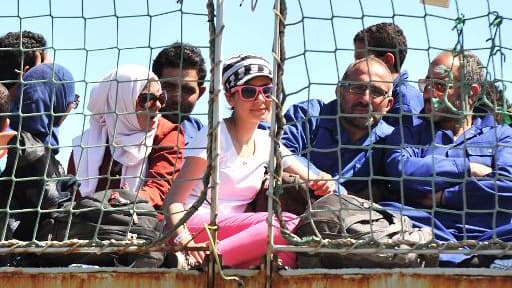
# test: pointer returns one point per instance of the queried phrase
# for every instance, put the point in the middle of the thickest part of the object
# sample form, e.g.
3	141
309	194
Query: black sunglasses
149	97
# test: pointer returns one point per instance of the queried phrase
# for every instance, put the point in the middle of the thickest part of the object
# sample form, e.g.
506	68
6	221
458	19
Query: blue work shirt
408	102
191	127
431	160
314	132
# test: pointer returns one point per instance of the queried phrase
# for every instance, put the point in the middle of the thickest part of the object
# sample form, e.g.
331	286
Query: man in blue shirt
454	163
339	137
387	41
182	71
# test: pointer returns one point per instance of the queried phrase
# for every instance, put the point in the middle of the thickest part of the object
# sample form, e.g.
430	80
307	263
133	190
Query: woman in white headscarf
128	144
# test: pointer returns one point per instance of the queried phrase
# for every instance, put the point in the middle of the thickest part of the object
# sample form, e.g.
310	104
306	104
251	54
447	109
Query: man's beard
446	114
361	121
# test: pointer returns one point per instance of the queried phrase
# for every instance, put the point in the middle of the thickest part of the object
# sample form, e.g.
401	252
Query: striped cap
242	68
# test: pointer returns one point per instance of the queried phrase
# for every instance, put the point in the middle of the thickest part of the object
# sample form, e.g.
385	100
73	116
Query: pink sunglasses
249	92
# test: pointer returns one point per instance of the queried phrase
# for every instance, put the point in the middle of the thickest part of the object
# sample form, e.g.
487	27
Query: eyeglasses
76	101
149	97
249	92
360	89
437	84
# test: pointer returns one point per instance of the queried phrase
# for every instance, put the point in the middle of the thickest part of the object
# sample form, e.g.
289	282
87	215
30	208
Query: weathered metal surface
160	278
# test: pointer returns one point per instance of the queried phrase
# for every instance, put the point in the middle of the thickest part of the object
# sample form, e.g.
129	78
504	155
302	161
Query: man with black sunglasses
340	137
182	71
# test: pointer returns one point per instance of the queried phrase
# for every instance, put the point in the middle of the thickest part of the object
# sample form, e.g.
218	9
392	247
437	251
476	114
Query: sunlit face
256	109
182	90
438	86
147	110
370	92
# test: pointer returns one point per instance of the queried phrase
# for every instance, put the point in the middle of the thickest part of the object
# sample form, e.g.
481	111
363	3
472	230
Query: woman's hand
197	255
322	184
185	239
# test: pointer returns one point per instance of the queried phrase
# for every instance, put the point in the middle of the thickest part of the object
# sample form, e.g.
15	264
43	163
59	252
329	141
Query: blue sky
91	37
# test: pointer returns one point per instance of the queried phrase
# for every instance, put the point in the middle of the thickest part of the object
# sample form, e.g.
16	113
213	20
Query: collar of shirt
480	125
402	78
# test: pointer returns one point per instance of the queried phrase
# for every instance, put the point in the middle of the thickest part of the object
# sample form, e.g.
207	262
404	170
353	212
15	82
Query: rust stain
64	278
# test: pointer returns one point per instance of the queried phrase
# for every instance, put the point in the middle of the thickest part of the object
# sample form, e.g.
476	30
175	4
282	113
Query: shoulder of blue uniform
488	122
410	96
312	106
383	129
190	121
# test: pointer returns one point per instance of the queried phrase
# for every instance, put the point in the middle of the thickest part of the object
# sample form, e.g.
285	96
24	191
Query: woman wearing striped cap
243	154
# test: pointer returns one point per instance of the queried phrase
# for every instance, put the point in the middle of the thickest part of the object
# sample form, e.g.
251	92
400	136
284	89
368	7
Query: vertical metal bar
217	84
270	235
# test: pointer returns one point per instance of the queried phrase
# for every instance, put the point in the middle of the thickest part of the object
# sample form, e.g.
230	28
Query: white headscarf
112	104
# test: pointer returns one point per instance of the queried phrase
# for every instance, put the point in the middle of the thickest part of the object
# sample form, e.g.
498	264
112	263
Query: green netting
310	43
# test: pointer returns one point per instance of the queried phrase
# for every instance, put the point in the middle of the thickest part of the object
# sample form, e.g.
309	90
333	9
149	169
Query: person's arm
320	182
492	191
301	121
192	171
164	163
416	174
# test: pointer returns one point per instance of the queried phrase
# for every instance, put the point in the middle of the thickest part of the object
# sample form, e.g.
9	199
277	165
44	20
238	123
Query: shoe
177	260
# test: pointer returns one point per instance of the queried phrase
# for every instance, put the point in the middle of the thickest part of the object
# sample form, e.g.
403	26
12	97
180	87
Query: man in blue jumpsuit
454	164
339	137
387	42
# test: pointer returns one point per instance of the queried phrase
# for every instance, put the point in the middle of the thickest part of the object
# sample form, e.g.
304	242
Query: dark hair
470	67
389	37
16	58
4	104
180	55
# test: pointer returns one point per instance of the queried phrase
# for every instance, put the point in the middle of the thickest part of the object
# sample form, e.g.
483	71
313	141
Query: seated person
339	137
128	145
40	107
387	42
243	154
182	70
454	163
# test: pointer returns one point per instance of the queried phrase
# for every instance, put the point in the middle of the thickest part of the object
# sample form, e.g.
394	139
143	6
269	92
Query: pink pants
242	238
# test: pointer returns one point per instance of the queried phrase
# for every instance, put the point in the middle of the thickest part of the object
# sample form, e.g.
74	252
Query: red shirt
164	163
